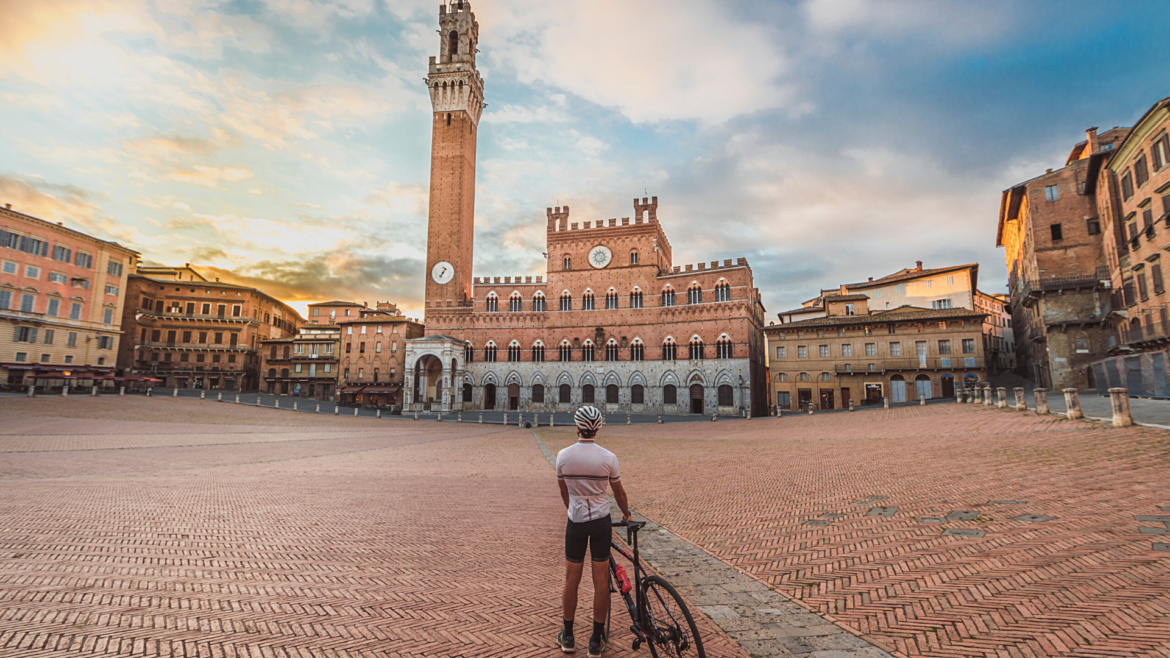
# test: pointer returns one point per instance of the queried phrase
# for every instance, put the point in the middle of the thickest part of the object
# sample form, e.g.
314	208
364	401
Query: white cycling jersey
587	469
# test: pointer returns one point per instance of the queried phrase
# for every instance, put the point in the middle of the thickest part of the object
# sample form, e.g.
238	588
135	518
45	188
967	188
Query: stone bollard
1041	400
519	420
810	411
416	415
276	405
336	410
1072	401
149	392
122	391
987	395
460	416
176	393
32	391
65	391
219	397
379	415
922	400
714	417
628	419
203	395
551	420
355	410
294	405
481	419
1001	402
257	400
1021	401
659	419
885	403
318	408
93	392
237	399
1120	399
960	395
506	420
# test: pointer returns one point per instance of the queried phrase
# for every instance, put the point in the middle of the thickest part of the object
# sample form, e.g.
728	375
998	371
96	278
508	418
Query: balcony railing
214	347
954	362
1140	334
170	315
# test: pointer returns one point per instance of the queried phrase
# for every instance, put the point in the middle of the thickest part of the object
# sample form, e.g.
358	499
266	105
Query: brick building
61	298
999	342
373	355
615	324
306	365
1058	273
195	333
853	354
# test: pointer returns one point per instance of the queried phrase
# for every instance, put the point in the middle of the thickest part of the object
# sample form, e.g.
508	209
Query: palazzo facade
612	323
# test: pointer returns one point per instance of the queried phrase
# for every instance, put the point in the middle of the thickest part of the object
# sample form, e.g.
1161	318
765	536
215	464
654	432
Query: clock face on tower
442	272
600	256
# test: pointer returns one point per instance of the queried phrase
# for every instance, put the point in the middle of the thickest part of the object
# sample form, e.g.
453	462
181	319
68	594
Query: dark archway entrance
489	396
513	396
696	398
948	386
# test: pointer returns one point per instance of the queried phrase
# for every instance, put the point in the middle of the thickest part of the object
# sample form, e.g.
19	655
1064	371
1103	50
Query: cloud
210	175
35	100
652	60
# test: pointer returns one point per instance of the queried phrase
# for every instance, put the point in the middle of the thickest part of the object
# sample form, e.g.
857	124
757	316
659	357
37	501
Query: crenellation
625	221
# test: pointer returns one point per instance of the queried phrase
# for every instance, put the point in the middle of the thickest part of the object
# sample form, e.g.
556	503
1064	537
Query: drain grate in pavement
962	515
1007	502
1033	518
1161	547
832	515
820	523
962	532
882	511
1155	531
930	519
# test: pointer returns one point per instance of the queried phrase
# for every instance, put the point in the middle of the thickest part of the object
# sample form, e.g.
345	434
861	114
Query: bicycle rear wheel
671	629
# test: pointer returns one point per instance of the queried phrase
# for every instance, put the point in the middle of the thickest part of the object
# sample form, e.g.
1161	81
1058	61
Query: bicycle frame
637	607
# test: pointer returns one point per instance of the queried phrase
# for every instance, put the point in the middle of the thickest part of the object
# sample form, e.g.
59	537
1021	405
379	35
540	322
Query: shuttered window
1156	276
1142	290
1127	186
1140	172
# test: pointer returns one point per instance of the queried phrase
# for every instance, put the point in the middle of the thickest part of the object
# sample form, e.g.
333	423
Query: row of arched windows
726	395
803	377
588	303
696	350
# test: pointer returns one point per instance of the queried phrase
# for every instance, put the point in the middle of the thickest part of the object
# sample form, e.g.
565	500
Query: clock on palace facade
600	256
442	272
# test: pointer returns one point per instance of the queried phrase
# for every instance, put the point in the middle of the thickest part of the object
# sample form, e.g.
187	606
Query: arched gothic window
611	299
723	348
726	396
637	394
611	350
468	352
587	394
514	351
538	393
489	352
452	44
515	304
669	350
566	351
587	351
670	394
538	301
538	352
722	291
611	394
668	296
566	301
636	298
696	348
568	263
587	301
633	258
492	303
564	394
694	294
637	350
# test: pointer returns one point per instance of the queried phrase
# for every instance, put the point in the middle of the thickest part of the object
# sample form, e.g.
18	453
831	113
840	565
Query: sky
285	143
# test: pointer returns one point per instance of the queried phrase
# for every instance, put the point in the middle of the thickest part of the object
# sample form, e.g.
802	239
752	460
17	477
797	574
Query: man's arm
564	492
619	494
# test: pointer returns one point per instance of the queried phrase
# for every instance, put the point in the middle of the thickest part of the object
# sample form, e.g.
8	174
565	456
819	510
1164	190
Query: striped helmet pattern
588	419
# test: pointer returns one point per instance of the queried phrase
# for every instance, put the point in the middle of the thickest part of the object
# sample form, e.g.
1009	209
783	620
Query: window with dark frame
1141	173
1093	226
1156	278
1127	186
1057	232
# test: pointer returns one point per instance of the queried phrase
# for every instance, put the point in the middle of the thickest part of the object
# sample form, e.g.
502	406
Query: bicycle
671	631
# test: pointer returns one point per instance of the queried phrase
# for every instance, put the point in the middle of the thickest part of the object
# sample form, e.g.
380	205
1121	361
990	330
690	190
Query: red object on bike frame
623	579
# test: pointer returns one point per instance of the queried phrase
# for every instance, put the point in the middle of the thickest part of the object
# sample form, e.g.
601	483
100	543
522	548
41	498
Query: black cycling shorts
597	534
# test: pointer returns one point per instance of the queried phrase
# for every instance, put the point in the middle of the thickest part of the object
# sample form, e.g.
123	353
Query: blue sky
285	143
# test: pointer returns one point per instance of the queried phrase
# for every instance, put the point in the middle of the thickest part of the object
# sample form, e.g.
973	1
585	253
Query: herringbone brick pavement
794	503
262	538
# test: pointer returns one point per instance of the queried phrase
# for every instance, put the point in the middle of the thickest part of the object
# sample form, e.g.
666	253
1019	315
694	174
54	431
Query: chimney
844	290
8	206
919	265
871	279
1091	137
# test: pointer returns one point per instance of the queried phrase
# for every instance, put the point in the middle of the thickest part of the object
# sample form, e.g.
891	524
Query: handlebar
633	525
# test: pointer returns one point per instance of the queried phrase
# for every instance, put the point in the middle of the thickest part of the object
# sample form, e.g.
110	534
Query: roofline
62	227
876	318
1165	102
930	272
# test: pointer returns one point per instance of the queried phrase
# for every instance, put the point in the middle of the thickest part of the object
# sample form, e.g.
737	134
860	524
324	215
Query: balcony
148	313
1154	331
1033	288
210	347
882	365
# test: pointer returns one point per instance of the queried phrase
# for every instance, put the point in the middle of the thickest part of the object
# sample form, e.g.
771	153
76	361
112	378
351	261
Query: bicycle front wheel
671	629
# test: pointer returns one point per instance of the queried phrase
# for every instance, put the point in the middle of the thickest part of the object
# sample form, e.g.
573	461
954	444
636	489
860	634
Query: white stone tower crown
453	80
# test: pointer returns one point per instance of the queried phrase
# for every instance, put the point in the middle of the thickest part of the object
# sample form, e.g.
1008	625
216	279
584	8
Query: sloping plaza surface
159	526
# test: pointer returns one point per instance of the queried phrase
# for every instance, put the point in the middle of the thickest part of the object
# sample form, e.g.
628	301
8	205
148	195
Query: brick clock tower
457	101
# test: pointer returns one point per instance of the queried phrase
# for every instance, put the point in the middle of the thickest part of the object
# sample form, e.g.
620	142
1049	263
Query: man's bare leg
600	591
573	571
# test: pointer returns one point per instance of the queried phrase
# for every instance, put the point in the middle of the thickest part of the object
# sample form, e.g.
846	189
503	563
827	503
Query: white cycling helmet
588	420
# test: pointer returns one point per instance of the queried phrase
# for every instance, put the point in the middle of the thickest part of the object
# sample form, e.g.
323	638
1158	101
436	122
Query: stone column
1002	401
1072	399
1041	400
1120	399
1021	401
448	376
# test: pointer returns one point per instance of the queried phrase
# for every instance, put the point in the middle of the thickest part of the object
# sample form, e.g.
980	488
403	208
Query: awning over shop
352	389
393	388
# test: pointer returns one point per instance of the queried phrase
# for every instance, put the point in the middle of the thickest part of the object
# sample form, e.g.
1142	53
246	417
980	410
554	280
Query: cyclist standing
584	470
